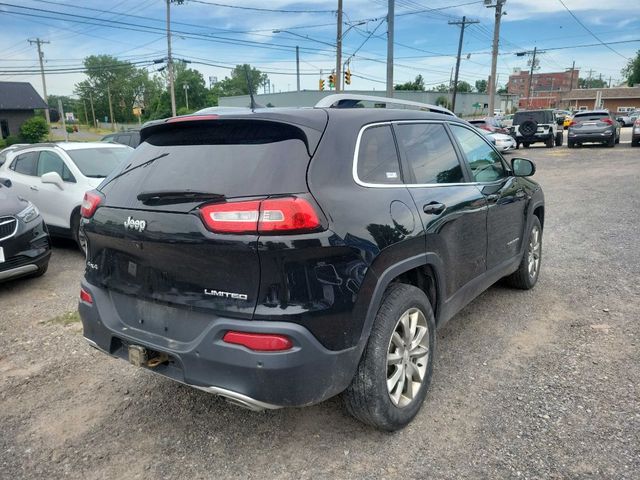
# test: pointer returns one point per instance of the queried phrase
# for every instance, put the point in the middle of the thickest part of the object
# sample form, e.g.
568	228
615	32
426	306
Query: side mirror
522	167
6	182
53	178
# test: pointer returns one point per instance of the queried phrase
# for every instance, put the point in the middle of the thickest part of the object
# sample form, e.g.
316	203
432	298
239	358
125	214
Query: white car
55	177
503	143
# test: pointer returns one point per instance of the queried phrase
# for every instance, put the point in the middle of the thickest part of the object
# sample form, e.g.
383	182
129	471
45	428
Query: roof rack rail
345	100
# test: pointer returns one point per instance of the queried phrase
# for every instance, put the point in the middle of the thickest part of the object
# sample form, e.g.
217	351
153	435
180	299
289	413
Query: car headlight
30	213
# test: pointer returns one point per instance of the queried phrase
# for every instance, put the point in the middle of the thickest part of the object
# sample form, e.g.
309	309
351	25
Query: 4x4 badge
133	224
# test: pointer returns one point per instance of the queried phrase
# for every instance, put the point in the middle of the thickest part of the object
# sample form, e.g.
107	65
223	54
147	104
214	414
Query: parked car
5	151
489	124
130	138
566	122
55	176
595	126
628	119
288	262
507	121
504	143
635	134
533	126
24	240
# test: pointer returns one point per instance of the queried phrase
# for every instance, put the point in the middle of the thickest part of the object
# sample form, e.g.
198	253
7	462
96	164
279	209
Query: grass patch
64	319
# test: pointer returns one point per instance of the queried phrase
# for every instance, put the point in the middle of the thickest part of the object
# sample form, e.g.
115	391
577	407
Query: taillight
607	120
285	215
260	342
90	203
86	296
637	123
573	123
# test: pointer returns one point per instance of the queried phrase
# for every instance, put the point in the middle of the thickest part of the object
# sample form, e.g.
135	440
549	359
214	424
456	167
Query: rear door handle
434	208
33	187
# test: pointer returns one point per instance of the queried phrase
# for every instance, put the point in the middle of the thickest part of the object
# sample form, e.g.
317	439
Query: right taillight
275	215
573	123
90	203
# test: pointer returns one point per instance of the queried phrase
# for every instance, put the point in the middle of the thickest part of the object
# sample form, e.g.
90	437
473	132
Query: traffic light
321	84
347	77
332	80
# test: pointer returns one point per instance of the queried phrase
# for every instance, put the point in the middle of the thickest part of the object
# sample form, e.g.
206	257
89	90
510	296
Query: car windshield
538	116
98	162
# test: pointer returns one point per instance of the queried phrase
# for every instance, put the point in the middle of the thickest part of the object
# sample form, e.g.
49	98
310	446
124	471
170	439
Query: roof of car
67	146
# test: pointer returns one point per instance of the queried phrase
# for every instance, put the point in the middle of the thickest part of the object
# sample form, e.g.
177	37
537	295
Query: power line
256	9
590	32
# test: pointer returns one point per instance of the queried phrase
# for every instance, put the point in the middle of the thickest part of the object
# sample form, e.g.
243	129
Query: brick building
546	88
616	100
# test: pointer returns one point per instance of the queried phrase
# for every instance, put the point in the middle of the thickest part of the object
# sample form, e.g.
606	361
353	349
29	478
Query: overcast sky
425	42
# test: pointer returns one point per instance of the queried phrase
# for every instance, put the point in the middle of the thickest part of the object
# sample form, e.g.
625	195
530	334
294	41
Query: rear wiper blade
137	166
166	197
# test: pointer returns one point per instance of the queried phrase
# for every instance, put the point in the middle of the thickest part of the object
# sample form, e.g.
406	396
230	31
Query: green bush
69	129
11	140
2	143
34	130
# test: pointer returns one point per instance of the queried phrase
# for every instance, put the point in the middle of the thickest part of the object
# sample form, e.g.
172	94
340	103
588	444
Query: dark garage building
18	100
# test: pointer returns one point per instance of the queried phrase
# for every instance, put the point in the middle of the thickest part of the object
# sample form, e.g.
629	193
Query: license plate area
140	356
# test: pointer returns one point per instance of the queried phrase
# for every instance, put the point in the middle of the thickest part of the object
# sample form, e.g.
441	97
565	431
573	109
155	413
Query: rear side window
231	158
26	163
378	157
51	162
429	153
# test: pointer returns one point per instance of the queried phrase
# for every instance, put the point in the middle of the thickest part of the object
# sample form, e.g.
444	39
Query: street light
185	86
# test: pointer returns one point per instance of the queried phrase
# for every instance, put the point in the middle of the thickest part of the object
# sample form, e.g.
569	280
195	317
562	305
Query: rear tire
395	370
559	139
78	233
611	142
528	271
635	143
570	144
526	144
550	142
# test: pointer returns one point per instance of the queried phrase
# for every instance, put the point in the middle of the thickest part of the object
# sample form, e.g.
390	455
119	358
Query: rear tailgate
158	249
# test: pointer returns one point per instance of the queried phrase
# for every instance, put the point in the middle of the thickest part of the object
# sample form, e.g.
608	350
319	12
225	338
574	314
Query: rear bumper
538	137
306	374
591	137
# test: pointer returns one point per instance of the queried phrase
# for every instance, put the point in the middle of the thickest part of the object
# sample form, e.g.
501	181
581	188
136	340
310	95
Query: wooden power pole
39	43
462	24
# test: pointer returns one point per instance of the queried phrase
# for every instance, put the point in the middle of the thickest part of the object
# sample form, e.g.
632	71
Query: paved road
539	384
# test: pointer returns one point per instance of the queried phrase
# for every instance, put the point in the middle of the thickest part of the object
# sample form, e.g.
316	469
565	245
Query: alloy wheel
534	251
407	357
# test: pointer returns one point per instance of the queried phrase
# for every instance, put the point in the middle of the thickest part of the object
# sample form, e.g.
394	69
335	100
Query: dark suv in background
279	257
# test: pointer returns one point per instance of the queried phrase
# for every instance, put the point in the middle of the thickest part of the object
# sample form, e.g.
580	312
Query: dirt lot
539	384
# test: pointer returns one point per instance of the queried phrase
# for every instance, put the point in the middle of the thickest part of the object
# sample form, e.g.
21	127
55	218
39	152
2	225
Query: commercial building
467	104
18	100
617	99
546	88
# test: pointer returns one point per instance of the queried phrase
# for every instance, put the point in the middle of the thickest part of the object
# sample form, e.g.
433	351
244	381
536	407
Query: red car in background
489	124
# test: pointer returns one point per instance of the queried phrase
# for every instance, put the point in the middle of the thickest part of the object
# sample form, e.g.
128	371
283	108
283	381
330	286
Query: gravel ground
538	384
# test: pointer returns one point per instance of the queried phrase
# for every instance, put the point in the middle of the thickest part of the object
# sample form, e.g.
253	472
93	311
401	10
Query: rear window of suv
538	116
590	116
231	158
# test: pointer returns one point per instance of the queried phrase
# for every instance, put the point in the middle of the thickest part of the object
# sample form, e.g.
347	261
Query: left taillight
90	203
275	215
85	296
607	120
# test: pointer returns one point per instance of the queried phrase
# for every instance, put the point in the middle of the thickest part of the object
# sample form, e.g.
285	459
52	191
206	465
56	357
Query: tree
632	71
236	83
417	85
443	101
34	130
481	86
442	88
125	82
591	83
464	87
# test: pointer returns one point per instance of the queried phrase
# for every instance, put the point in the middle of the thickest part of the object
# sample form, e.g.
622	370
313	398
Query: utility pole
339	46
64	120
93	113
170	61
589	78
113	126
573	69
86	116
185	86
390	26
533	66
494	55
39	43
298	67
609	82
462	24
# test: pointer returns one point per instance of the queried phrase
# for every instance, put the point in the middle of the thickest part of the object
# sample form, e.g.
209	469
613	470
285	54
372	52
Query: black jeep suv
279	257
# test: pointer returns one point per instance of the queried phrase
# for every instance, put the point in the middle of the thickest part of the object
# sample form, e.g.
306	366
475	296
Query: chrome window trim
6	219
400	185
